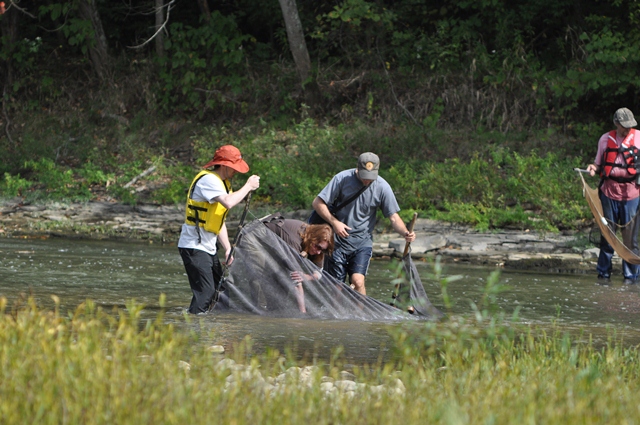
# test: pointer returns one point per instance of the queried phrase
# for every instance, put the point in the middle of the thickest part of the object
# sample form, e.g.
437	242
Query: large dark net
259	282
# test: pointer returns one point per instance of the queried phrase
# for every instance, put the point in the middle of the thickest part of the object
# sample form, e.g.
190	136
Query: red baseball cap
231	157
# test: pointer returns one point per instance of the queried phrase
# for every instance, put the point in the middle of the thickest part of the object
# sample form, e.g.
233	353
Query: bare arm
230	200
399	226
339	228
223	238
298	278
300	298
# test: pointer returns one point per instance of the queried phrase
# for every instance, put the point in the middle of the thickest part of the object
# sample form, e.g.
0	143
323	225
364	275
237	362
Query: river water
112	273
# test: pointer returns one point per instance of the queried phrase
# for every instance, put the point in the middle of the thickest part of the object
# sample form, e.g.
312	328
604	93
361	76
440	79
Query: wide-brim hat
229	156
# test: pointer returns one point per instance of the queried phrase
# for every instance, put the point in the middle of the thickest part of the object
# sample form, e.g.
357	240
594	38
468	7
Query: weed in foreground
94	367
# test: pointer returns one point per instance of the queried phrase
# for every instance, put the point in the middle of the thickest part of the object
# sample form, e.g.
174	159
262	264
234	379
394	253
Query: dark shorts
341	264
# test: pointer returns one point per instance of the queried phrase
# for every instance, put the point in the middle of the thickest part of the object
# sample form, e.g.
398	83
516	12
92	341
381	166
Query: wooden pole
396	291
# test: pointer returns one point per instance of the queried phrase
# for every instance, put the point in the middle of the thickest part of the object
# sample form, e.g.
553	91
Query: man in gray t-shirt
353	224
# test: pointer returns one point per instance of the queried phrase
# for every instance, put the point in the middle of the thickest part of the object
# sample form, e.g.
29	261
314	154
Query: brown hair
316	233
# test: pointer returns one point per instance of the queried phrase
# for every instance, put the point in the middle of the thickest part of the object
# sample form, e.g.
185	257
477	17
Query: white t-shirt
207	189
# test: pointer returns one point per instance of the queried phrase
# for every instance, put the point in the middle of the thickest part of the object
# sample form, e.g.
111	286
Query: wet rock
421	244
397	386
217	349
345	385
377	389
591	254
226	364
480	246
327	386
347	375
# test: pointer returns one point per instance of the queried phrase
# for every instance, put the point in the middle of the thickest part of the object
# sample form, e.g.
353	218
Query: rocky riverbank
515	249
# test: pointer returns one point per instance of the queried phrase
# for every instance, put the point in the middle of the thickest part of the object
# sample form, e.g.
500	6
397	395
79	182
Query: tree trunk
9	25
204	9
159	22
298	48
98	52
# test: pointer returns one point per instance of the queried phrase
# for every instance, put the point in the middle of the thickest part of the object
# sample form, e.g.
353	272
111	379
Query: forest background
479	110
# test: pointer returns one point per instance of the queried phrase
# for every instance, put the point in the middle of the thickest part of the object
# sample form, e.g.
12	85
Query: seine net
259	282
410	294
608	230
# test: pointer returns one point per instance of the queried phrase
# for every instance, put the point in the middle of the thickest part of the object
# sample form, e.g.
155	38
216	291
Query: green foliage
500	189
78	32
294	164
355	12
53	182
352	28
499	65
92	174
57	182
124	195
175	191
505	190
491	187
55	10
23	55
14	185
201	64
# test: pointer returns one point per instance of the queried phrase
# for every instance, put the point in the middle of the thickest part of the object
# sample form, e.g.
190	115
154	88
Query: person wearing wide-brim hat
349	203
618	163
208	200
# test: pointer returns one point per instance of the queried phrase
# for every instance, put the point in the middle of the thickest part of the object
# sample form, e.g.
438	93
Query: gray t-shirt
360	214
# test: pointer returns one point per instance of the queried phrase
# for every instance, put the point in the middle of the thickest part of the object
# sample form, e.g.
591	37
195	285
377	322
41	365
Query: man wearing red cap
208	200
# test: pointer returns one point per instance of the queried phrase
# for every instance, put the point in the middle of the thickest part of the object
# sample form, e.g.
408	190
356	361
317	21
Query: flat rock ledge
515	249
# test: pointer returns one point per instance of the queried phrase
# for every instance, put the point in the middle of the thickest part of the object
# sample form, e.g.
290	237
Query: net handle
410	229
396	290
216	293
240	225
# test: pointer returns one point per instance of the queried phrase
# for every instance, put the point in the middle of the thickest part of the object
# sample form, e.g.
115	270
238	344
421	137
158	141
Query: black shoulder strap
351	198
275	217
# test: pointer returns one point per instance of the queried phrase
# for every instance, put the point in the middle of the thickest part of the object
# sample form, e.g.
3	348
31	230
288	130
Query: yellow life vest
210	216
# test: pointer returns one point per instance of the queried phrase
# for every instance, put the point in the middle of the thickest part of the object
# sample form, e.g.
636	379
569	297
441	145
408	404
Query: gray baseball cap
368	166
624	117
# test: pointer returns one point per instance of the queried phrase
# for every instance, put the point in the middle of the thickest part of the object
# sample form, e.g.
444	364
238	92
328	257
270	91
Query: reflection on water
112	273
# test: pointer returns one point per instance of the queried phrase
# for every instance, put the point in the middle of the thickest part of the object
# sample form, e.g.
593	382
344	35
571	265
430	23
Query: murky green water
113	273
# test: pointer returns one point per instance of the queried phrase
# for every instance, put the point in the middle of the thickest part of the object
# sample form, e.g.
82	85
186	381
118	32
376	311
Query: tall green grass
91	367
